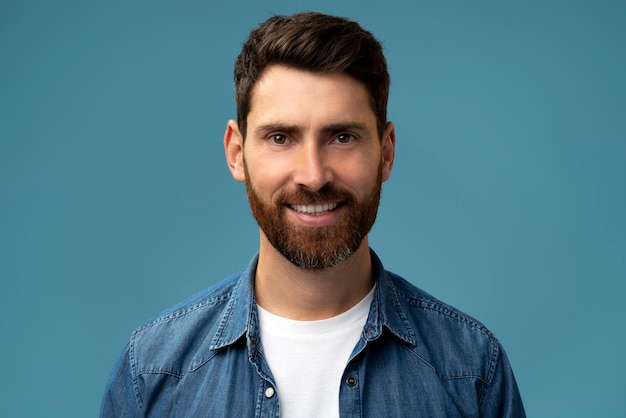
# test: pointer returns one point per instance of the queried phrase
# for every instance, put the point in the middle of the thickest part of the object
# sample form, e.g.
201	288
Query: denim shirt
417	357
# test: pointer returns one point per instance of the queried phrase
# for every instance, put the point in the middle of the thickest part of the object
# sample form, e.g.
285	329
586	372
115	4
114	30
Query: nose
312	169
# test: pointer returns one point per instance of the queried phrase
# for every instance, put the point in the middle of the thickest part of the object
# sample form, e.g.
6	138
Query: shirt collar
240	316
386	310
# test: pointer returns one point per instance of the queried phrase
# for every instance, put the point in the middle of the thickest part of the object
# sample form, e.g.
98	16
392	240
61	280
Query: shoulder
428	307
451	341
206	299
463	354
178	339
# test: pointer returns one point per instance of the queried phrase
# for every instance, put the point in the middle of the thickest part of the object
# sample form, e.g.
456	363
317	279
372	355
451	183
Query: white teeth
314	209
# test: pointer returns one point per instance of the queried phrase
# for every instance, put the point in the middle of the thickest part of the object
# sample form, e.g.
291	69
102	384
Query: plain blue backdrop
507	199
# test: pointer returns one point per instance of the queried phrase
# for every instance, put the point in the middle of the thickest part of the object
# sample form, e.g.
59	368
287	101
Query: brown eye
279	139
344	138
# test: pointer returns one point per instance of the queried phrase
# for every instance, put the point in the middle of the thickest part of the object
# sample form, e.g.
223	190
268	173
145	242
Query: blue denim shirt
417	357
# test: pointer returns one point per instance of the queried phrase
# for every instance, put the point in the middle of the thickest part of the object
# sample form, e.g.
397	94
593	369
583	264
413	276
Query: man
314	327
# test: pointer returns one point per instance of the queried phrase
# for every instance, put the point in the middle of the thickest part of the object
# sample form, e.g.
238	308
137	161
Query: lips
314	209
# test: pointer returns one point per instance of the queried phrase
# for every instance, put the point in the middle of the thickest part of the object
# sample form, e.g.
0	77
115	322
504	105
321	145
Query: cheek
360	175
267	178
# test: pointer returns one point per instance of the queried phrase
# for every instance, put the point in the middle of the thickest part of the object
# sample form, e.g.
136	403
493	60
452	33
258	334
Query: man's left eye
344	138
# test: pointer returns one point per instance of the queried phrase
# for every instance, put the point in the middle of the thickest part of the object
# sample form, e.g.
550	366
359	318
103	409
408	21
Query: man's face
313	164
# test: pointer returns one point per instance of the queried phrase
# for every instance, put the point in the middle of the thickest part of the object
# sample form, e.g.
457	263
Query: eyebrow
344	126
271	127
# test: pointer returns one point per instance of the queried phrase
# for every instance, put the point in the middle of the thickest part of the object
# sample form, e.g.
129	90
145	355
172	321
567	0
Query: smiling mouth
314	209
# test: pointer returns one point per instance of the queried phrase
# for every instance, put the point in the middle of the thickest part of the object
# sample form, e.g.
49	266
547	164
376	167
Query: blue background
507	199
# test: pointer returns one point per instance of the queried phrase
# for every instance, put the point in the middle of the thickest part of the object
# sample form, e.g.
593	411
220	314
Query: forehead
292	95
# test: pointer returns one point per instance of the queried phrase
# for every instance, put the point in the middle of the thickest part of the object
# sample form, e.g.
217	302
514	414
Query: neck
292	292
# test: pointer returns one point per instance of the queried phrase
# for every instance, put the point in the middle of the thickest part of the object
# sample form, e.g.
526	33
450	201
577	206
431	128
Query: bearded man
315	326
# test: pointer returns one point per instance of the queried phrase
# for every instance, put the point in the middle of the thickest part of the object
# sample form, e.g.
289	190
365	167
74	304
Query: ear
388	150
233	147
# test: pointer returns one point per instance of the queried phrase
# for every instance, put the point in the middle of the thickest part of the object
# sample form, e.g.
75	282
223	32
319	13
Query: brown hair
314	42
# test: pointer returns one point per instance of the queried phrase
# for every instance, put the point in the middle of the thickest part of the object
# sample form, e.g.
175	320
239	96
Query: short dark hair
314	42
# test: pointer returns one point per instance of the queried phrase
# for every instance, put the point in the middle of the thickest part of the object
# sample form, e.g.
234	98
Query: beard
309	247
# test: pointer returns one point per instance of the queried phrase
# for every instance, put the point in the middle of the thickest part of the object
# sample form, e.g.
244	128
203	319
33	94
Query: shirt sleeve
120	399
502	398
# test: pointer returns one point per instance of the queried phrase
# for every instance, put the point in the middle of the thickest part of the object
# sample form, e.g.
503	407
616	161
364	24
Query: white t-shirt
308	358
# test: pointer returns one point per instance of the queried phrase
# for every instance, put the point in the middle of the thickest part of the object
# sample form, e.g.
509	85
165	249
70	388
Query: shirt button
269	392
351	381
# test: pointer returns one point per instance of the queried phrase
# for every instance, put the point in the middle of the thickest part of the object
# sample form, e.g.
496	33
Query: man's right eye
279	139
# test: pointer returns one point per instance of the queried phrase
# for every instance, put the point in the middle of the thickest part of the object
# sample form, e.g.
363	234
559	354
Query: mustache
326	194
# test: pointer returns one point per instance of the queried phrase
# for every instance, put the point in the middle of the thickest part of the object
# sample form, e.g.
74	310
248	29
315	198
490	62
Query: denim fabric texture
417	357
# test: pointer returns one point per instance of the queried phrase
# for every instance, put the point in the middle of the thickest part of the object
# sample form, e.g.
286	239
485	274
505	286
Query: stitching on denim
133	369
171	373
410	334
422	359
202	363
173	315
441	308
232	296
165	372
442	378
493	361
183	312
467	376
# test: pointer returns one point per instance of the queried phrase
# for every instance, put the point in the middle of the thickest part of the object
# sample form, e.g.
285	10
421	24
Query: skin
308	130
